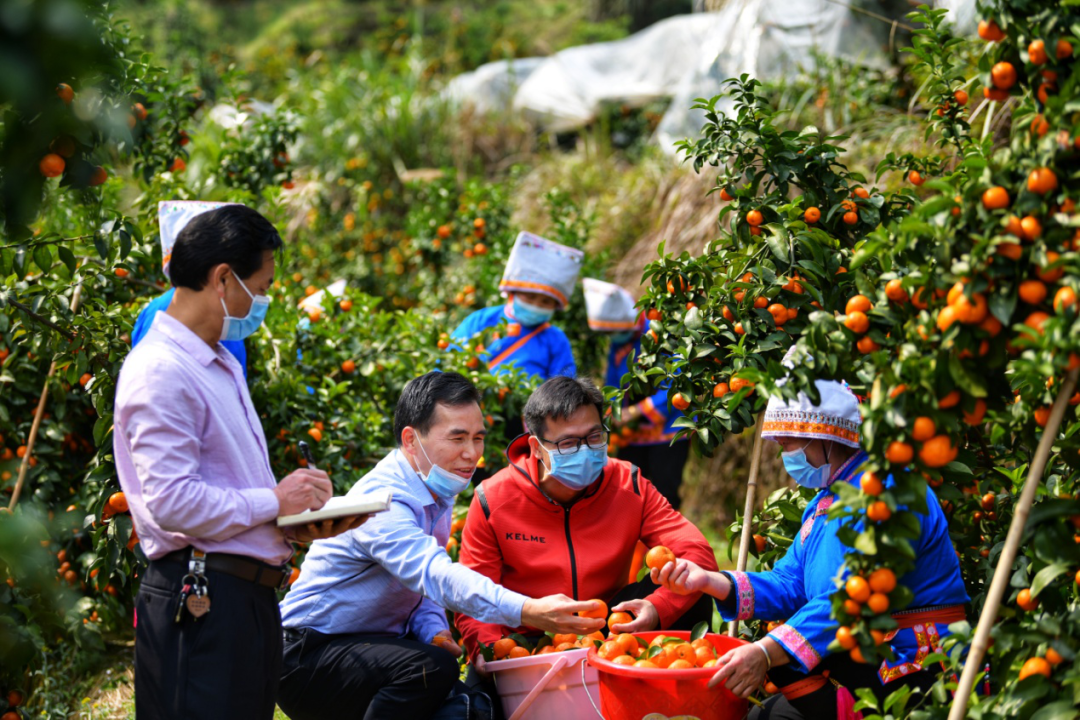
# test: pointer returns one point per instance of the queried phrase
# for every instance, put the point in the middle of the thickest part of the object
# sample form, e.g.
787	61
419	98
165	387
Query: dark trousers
701	611
822	703
363	676
224	665
662	465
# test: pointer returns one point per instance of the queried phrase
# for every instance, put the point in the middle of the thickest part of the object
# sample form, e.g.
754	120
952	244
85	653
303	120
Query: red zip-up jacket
525	542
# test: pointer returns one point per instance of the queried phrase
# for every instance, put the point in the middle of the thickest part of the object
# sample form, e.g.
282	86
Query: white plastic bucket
545	687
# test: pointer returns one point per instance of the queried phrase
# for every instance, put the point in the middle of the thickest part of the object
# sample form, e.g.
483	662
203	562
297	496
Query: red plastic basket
630	693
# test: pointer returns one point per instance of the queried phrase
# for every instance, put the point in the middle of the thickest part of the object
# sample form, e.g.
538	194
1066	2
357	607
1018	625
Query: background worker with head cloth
173	215
538	280
644	432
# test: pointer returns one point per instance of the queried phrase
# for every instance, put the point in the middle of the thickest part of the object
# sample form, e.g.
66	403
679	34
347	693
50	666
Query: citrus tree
950	304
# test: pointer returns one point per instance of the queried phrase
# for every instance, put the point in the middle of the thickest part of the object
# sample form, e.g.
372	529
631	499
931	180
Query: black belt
239	566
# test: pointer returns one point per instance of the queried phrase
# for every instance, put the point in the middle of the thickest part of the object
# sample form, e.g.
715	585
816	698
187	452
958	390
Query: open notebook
342	506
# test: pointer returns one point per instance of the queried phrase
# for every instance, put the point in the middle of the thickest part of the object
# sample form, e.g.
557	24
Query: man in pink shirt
192	459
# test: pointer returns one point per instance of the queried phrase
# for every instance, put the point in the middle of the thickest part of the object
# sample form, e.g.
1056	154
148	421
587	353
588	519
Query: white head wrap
538	265
609	307
835	418
173	215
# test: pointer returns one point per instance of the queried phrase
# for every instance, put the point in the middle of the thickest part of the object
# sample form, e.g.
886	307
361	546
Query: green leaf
866	542
43	257
699	631
1060	710
67	257
1045	576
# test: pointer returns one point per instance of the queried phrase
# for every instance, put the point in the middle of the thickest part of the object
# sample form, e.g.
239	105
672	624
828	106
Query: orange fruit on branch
871	484
754	218
812	215
878	603
1063	49
1032	292
845	638
857	322
680	401
923	428
52	165
866	345
915	178
951	399
878	512
990	31
859	303
995	198
894	290
857	588
118	502
1064	298
961	97
1037	52
883	580
1042	180
1003	75
1035	666
976	415
937	452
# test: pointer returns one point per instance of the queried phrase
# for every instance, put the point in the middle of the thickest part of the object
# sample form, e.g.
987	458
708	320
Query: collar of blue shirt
416	484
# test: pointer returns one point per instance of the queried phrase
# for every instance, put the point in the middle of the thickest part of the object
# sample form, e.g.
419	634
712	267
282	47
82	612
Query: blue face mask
238	328
622	337
530	315
805	474
441	482
580	469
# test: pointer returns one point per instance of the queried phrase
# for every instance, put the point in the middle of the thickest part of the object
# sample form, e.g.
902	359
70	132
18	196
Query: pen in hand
305	450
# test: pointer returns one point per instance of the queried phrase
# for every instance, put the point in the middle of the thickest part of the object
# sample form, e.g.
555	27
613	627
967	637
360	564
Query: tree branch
35	316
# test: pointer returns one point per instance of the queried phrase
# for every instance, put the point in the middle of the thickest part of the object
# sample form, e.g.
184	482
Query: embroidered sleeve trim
797	645
745	595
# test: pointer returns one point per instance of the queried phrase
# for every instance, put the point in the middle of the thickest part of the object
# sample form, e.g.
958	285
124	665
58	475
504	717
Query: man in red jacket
565	518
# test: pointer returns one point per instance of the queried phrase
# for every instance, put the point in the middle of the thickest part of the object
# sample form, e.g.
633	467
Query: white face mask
238	328
805	474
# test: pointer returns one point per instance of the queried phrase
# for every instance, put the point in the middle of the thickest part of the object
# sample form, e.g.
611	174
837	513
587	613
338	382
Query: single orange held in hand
658	557
600	611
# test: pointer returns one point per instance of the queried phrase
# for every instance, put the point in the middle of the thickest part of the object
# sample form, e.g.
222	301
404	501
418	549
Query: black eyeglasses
568	446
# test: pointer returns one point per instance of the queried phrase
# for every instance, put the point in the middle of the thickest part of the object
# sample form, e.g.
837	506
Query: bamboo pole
24	467
1004	570
748	510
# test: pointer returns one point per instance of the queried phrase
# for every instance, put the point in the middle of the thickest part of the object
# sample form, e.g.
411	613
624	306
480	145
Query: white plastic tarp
567	91
683	58
491	87
767	39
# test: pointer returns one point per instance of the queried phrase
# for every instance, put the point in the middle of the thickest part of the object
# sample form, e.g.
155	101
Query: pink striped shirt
190	450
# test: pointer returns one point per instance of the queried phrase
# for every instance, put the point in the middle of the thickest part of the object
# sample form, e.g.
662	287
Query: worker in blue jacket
538	280
647	426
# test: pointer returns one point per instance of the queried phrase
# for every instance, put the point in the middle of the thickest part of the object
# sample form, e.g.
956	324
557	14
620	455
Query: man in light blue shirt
366	633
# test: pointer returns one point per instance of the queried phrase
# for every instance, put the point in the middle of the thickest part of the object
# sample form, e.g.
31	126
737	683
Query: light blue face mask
805	474
443	483
622	337
238	328
580	469
530	315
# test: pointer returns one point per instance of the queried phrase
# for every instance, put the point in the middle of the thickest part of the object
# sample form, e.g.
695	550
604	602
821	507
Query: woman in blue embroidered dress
821	448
